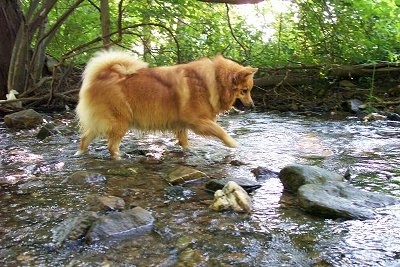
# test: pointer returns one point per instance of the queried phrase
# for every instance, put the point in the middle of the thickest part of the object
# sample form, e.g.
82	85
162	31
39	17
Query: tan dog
120	92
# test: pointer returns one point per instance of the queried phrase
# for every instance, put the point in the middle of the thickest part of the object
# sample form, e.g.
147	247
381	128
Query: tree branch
232	33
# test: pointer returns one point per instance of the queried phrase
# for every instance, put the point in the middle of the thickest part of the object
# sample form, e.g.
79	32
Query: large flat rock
341	200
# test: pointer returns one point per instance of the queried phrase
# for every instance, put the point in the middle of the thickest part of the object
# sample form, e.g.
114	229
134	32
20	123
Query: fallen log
303	75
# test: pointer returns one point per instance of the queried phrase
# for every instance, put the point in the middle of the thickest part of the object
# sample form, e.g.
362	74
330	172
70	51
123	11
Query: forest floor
383	95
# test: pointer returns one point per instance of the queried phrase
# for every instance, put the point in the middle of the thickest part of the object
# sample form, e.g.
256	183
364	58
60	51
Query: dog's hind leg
211	128
115	136
182	136
86	138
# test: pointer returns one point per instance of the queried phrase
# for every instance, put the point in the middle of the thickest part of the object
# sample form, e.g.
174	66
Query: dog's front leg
211	128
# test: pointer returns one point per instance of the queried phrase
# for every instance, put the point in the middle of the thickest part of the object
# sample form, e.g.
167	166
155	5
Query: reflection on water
35	197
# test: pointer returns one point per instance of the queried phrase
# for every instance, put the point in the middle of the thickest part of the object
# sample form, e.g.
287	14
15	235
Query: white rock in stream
231	197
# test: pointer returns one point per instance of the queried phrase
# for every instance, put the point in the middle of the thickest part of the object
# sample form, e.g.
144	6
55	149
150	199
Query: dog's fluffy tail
109	64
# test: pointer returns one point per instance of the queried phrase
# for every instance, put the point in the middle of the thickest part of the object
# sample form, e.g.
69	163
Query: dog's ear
244	74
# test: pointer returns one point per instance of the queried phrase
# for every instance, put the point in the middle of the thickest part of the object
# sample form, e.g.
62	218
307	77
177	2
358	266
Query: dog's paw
79	153
116	156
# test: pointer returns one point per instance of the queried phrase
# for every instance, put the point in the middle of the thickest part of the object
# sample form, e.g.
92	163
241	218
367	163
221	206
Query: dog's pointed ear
245	73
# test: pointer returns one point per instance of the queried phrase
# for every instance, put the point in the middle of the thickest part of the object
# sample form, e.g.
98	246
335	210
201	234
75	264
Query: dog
120	92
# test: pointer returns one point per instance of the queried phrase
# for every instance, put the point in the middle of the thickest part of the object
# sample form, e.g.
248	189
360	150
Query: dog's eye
244	91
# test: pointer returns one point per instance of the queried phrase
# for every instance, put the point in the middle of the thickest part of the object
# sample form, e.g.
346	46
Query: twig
276	86
233	34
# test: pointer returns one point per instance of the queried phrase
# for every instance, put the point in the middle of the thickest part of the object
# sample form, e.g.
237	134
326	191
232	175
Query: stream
37	194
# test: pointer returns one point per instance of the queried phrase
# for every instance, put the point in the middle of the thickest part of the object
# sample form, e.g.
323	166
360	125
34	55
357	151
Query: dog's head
243	83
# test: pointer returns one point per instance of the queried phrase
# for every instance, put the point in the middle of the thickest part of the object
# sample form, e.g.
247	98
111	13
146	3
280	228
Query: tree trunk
10	20
105	22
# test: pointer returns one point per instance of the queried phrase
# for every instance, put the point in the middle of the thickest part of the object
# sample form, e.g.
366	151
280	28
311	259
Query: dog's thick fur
120	92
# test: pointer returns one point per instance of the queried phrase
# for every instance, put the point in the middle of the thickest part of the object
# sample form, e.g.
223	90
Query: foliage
345	31
307	32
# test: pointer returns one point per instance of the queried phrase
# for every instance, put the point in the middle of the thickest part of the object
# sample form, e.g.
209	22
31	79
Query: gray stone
217	184
135	221
341	200
47	130
262	173
25	119
295	175
73	228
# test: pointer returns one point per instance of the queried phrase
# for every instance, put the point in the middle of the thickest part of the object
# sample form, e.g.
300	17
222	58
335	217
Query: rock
295	175
231	197
236	162
47	130
105	203
353	105
85	177
73	228
120	225
182	174
341	200
374	117
123	171
324	193
263	174
217	184
25	119
346	83
392	116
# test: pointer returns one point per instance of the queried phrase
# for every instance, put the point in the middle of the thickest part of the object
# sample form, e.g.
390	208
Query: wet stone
25	119
217	184
73	228
236	162
374	117
105	203
85	177
262	173
46	130
322	192
341	200
393	116
295	175
182	174
123	224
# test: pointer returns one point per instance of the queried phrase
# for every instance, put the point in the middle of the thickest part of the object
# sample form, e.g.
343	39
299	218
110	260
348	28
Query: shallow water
37	194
